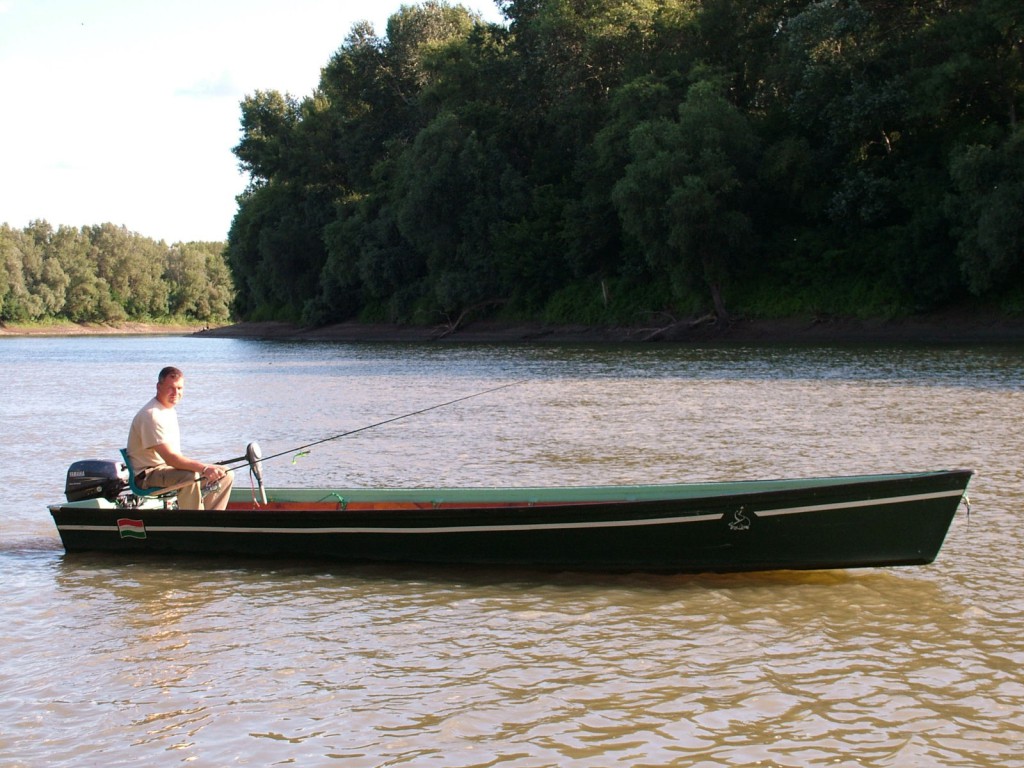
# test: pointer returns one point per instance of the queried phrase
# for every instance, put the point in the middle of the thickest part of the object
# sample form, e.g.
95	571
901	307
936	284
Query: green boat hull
818	523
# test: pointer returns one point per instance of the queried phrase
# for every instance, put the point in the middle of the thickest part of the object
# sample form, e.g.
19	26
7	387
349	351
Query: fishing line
307	446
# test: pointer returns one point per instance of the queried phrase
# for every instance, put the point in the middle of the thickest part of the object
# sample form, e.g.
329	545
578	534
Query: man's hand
213	472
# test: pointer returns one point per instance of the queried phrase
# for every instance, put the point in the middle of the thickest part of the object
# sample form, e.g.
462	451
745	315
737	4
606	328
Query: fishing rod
252	459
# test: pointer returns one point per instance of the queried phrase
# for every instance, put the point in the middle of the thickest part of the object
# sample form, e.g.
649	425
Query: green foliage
106	274
604	160
611	302
987	204
684	196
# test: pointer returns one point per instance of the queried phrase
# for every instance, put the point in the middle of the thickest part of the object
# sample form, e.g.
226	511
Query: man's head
170	386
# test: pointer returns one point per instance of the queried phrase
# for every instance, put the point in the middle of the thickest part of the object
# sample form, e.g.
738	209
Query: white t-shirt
154	425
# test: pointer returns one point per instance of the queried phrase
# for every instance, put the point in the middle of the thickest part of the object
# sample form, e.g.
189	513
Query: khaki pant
189	495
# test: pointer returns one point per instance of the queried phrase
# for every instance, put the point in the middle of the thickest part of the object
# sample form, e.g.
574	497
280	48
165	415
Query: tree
596	144
87	298
23	262
987	205
45	279
200	281
593	232
683	195
269	120
133	267
276	250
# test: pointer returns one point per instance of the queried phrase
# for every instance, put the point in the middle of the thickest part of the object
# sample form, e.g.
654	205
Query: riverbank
102	329
950	327
959	327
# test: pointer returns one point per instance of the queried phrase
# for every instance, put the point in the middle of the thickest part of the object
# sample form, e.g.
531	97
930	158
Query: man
154	450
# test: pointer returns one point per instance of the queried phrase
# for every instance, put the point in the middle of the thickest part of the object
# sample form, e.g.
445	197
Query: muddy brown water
199	662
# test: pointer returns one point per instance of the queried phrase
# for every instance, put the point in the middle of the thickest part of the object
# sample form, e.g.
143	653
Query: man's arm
179	461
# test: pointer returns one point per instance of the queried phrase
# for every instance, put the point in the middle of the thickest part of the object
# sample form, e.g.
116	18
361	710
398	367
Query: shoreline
954	327
103	329
947	328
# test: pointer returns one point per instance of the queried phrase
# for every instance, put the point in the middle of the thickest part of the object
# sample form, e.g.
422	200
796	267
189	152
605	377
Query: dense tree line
107	274
592	160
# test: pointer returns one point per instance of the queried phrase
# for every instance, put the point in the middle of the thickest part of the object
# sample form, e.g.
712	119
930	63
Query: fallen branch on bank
658	333
451	326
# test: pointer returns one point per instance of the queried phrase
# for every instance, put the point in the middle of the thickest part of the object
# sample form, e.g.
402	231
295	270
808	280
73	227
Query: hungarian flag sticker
131	529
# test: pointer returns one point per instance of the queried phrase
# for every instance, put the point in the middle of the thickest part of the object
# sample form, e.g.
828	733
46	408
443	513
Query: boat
746	525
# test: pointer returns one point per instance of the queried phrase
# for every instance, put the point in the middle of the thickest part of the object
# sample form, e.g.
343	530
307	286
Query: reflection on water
207	662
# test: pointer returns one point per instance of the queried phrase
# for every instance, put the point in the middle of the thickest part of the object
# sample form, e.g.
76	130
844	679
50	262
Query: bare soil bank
953	327
99	329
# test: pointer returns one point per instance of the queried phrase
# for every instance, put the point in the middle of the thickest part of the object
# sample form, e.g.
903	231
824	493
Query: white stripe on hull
699	518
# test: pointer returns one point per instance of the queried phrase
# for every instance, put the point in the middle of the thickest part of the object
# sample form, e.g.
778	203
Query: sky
126	111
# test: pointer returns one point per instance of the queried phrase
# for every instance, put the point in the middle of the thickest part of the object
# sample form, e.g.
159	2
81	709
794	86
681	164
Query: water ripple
210	663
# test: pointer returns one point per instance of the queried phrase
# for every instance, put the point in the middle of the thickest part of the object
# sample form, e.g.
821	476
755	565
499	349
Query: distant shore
952	327
949	327
102	329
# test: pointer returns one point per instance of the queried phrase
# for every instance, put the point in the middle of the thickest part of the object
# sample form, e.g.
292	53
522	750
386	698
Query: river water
110	662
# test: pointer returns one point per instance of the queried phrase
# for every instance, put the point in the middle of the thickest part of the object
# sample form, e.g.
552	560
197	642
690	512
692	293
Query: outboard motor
94	479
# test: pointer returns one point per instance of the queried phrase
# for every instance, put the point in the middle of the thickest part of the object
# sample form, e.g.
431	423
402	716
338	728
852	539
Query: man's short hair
170	372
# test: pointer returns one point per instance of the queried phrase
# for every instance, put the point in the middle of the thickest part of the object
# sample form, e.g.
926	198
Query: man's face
170	390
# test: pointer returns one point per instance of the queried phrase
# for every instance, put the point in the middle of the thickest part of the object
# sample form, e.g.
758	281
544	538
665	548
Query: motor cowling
95	479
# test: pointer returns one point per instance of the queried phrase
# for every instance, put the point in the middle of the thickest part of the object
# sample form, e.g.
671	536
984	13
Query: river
111	662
